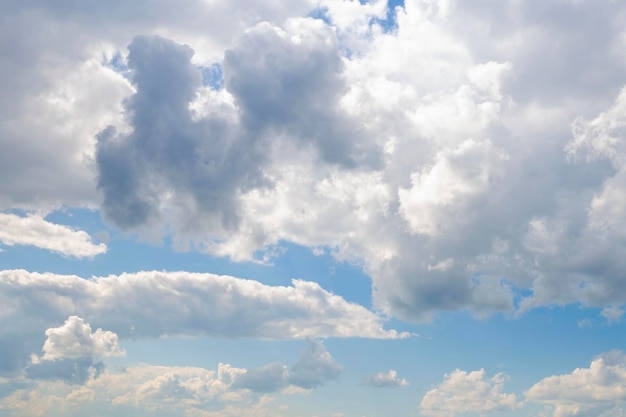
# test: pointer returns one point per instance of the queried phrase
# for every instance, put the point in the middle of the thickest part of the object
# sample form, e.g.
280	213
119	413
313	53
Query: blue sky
322	208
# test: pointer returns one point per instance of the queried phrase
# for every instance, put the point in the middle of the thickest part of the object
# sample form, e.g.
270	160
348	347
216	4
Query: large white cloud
36	231
156	304
598	389
467	392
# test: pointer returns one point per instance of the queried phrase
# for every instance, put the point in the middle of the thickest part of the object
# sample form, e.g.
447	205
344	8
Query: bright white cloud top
466	159
36	231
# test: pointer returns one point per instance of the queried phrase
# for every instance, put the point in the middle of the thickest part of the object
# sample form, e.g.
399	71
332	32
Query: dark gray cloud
57	93
289	81
286	86
203	163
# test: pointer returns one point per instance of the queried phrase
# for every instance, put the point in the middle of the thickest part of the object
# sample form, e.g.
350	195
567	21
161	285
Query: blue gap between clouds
388	24
126	253
212	76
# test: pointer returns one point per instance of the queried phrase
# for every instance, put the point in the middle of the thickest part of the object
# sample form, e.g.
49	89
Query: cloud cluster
36	231
161	389
436	154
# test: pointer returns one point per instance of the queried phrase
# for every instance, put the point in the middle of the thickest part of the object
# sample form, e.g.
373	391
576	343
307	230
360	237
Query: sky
313	208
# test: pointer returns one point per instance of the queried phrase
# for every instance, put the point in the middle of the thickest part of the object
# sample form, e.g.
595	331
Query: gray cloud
268	378
314	367
206	162
289	81
73	371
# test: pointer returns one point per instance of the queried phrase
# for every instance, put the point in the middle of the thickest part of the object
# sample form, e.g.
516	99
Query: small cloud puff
386	379
74	340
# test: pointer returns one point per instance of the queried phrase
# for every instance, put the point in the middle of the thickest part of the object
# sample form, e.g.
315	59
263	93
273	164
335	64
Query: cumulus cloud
34	230
74	339
73	352
600	388
155	304
386	379
463	392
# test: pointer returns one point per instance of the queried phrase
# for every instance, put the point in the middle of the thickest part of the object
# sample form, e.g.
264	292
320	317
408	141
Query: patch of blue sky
118	64
127	253
320	13
212	76
388	24
391	22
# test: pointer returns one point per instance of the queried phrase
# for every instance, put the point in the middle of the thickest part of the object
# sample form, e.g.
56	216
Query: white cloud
386	379
155	304
74	339
72	352
34	230
600	388
463	392
612	313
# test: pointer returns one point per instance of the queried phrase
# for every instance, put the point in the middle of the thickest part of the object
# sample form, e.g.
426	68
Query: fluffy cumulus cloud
467	392
36	231
75	340
156	304
386	379
72	352
599	389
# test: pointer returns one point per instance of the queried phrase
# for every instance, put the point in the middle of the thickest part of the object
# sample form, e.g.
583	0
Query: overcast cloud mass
170	173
